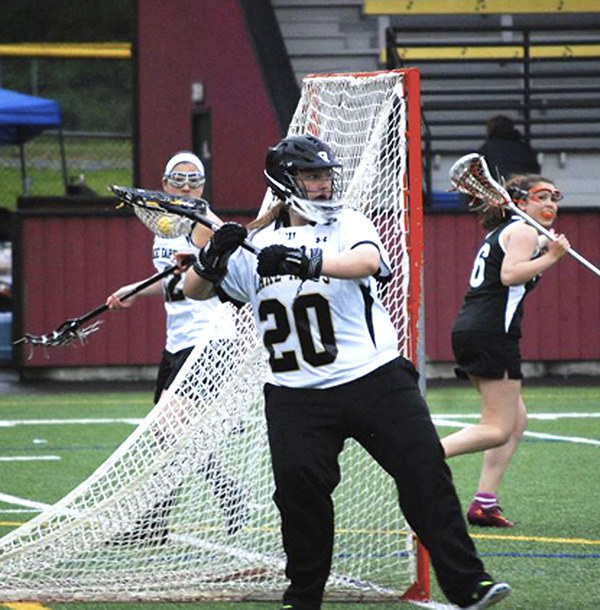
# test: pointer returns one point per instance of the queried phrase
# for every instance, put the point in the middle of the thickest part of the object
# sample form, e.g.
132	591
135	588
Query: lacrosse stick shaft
147	282
72	329
207	222
541	229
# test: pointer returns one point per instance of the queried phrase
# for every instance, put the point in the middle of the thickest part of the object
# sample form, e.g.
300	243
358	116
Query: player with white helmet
335	373
188	323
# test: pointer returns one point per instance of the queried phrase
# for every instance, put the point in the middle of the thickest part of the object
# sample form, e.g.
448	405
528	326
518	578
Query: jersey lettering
478	272
310	313
174	290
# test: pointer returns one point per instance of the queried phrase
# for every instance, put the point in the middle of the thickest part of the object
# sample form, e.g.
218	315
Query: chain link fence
83	163
96	100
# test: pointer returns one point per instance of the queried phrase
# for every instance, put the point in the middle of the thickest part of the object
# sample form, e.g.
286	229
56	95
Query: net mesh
183	509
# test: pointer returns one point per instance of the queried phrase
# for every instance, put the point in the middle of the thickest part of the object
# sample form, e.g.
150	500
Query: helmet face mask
304	153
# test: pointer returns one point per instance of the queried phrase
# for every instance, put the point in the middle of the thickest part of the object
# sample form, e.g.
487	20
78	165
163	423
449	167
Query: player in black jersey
487	330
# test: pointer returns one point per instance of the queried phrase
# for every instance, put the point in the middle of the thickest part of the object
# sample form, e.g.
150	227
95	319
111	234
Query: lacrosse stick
73	330
471	175
169	215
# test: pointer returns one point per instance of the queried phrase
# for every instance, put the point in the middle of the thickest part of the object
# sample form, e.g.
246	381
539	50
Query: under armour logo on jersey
290	234
323	154
318	240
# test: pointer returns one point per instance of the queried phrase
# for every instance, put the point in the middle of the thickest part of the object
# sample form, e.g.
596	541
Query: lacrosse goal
182	510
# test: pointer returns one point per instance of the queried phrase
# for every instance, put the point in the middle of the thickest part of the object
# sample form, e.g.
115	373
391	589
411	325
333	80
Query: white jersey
188	321
318	334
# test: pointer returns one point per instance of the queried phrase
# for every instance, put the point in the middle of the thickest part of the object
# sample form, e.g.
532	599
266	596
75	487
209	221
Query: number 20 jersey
322	333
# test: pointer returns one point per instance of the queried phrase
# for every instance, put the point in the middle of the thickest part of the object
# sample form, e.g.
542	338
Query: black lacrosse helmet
304	152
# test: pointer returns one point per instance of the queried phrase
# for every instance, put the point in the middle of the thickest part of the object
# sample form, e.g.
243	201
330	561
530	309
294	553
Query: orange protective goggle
555	195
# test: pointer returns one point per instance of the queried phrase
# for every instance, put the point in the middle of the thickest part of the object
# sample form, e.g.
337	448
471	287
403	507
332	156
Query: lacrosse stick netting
471	175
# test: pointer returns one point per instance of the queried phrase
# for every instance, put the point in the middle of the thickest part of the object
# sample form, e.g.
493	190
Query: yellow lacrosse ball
164	224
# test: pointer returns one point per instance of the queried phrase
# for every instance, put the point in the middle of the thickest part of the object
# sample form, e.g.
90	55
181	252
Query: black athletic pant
385	412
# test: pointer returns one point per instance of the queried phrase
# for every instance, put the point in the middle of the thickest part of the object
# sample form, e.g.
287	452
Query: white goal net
183	509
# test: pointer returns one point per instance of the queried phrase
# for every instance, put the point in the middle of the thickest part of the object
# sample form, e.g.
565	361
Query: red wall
562	314
69	262
182	41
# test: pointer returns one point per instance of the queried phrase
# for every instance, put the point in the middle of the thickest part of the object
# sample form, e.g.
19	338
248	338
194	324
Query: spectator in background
505	150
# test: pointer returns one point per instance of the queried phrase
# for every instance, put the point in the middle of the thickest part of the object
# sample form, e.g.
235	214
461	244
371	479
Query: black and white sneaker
488	593
151	530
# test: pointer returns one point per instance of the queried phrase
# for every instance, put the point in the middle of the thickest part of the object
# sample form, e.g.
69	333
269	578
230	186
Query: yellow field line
354	531
416	7
74	50
536	539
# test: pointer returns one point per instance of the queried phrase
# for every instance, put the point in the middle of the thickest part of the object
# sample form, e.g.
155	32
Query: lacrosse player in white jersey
335	372
188	322
487	332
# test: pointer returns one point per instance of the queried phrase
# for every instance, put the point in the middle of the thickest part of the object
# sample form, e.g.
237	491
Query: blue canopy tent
22	117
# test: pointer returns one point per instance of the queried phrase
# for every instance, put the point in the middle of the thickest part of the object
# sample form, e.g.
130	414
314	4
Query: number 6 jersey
322	333
490	306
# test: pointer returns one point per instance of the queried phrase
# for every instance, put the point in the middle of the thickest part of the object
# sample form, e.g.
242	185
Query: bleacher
535	61
328	35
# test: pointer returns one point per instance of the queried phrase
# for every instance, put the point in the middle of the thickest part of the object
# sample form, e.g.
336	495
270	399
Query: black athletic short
486	356
168	368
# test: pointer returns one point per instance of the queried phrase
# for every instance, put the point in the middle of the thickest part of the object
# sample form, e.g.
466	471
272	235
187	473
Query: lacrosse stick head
148	206
471	175
67	333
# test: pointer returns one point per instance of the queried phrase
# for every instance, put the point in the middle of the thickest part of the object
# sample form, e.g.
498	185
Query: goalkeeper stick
471	175
72	330
169	215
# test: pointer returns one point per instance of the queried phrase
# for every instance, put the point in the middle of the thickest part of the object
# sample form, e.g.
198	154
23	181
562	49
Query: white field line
23	502
29	458
9	423
541	416
441	421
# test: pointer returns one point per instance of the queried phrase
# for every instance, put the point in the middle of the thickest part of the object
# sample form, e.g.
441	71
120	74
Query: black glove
281	260
213	258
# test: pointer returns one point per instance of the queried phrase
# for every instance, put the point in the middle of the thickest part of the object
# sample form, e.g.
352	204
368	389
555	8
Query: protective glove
213	258
281	260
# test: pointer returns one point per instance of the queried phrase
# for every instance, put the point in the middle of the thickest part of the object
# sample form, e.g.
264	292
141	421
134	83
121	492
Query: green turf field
552	490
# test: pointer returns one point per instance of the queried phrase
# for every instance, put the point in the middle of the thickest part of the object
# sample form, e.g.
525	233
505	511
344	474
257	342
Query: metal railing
546	79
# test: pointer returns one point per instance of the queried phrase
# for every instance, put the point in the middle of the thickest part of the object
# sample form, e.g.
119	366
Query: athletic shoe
488	593
151	530
144	534
236	511
487	517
